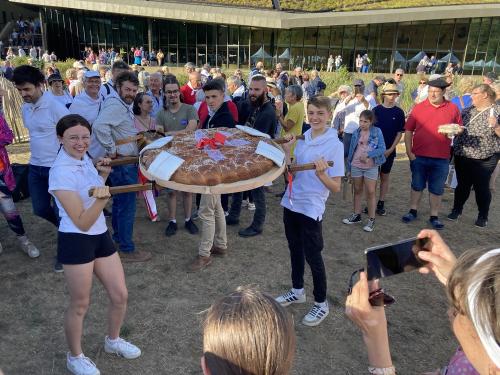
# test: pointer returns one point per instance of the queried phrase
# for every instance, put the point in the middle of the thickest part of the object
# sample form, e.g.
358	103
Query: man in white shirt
46	57
41	113
33	53
21	52
88	105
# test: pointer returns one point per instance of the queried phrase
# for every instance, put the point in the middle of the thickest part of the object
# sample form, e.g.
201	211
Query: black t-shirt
262	118
391	121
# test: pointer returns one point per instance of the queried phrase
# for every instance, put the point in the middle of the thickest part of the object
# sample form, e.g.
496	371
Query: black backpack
22	190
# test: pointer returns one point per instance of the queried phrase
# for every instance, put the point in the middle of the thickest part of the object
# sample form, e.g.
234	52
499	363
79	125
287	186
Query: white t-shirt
71	174
40	119
64	99
89	108
309	195
352	111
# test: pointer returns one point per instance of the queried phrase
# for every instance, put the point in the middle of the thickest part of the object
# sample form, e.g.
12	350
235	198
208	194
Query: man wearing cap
88	105
354	105
428	150
108	88
57	90
391	120
371	93
338	103
115	131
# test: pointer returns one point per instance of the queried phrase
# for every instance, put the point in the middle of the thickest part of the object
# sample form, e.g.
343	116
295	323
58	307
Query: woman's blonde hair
465	85
248	333
468	272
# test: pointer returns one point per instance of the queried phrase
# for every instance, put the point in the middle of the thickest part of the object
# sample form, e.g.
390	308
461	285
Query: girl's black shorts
78	248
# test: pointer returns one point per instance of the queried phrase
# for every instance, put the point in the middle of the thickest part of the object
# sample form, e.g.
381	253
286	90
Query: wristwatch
382	370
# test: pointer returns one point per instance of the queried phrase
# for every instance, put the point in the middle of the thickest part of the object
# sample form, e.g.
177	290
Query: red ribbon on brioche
213	143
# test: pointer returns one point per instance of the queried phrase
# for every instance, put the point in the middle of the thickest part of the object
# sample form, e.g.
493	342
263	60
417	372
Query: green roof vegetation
340	5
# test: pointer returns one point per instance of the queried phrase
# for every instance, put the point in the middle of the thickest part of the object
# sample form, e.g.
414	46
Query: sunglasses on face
377	297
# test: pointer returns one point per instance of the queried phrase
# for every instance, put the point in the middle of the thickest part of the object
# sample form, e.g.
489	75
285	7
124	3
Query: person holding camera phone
472	285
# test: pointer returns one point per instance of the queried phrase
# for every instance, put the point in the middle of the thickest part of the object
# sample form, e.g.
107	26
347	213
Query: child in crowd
304	205
366	154
247	332
7	184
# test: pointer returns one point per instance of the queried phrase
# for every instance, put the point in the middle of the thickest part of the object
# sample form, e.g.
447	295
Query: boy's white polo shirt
309	195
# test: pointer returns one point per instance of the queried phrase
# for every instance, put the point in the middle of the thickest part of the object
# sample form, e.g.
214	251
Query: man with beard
173	117
40	112
114	129
256	112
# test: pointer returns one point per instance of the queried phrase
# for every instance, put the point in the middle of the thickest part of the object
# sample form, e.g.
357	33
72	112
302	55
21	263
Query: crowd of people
79	123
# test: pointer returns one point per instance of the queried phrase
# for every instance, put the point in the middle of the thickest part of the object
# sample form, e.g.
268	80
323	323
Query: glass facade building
474	41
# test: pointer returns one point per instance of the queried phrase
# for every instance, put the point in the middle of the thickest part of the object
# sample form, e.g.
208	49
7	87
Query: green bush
64	65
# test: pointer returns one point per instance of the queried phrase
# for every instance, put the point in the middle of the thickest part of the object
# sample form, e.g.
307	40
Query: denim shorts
370	173
431	172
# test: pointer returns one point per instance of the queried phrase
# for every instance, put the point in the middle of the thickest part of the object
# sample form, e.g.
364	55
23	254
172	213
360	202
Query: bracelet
382	370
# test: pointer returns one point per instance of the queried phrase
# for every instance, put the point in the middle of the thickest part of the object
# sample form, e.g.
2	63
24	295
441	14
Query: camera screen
391	259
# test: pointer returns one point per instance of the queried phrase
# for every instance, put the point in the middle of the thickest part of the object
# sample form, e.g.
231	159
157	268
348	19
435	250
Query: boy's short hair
213	84
320	102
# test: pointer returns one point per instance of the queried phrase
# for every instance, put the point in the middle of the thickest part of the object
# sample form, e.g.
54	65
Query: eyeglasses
74	139
377	297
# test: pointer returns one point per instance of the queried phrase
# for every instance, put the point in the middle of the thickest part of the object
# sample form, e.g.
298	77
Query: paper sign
164	165
271	152
252	131
158	143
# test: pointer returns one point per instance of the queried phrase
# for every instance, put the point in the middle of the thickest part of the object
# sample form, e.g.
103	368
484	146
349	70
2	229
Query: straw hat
389	88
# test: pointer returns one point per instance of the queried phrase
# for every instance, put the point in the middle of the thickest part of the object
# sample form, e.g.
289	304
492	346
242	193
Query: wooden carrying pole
149	186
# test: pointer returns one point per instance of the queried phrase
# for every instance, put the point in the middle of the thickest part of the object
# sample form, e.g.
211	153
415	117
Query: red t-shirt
424	121
188	95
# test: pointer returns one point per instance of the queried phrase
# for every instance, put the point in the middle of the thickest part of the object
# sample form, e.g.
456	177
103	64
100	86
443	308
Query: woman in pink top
144	122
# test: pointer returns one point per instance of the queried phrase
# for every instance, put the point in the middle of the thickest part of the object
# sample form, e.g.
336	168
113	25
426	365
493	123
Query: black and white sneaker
353	219
290	297
316	315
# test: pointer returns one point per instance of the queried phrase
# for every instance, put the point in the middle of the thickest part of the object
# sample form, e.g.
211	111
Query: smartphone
391	259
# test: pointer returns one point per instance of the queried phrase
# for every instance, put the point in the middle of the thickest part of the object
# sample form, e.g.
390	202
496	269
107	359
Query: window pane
323	37
362	38
336	37
310	37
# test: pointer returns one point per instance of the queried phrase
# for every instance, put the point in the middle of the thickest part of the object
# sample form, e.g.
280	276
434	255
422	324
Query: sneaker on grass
28	247
121	348
370	225
316	315
251	207
353	219
81	365
290	297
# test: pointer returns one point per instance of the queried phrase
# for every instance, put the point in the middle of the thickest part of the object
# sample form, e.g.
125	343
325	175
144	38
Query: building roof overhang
266	18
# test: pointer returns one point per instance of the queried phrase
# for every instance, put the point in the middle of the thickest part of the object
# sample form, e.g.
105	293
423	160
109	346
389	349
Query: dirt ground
166	303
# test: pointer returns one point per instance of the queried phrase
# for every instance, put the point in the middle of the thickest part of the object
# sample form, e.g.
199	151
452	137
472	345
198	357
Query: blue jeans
429	171
42	202
259	199
124	207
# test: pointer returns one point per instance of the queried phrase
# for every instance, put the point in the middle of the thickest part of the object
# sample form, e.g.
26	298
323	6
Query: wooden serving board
233	187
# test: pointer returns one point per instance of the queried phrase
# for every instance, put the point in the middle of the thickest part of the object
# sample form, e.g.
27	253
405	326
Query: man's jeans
259	199
124	207
41	201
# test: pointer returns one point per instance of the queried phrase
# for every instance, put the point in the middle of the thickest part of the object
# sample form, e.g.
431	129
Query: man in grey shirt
174	117
115	131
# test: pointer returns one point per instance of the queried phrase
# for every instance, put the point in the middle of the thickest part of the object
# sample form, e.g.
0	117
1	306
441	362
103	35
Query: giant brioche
240	162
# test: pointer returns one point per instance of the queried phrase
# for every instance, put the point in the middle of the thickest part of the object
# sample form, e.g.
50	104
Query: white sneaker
81	365
251	206
316	315
370	225
121	348
28	247
244	203
290	297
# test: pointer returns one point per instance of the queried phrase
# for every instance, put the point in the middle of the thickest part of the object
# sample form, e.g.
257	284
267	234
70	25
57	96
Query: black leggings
477	173
305	241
